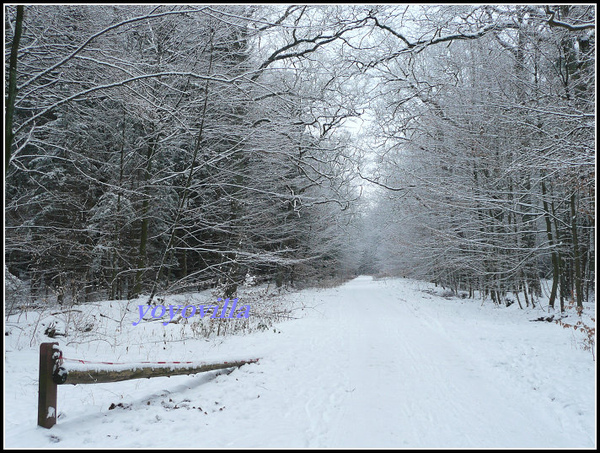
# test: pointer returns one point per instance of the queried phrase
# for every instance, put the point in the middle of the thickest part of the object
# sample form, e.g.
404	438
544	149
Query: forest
158	149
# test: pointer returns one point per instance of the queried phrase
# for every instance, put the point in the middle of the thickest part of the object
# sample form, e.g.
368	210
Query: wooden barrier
46	386
52	374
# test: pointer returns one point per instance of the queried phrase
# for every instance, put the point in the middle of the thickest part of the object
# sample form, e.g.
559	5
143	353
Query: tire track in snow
389	376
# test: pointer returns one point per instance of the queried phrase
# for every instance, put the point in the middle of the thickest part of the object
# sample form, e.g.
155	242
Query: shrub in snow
250	280
16	292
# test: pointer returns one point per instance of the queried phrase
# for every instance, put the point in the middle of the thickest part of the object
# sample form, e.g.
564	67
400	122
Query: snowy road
370	364
385	373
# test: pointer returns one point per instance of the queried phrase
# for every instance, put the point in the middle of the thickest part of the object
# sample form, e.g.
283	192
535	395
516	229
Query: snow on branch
557	23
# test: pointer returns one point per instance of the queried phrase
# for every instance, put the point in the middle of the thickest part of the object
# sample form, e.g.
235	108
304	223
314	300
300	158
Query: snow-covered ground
385	363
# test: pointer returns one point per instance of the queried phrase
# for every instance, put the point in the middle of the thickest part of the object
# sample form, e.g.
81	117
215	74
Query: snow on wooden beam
99	376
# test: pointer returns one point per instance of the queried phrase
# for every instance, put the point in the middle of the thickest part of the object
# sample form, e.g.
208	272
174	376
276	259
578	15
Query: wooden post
47	387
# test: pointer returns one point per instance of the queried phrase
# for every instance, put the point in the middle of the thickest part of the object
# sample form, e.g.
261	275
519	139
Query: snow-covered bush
16	292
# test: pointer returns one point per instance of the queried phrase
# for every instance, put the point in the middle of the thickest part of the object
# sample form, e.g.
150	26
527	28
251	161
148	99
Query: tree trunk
141	262
12	87
576	257
554	257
